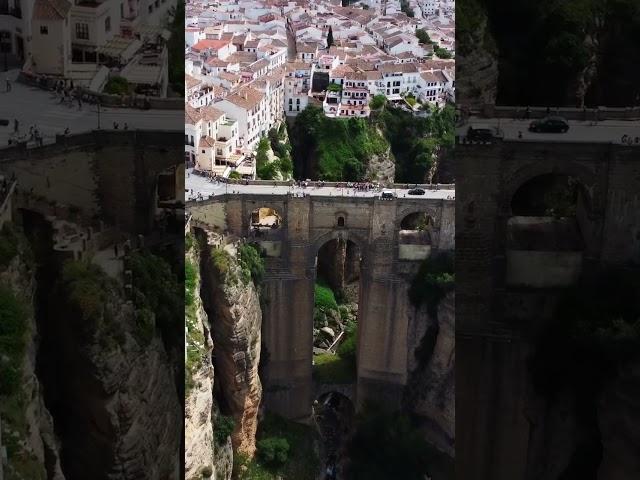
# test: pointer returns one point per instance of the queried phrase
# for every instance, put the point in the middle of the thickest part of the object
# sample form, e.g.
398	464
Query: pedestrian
519	133
79	102
115	125
67	131
126	126
16	126
8	84
115	250
527	113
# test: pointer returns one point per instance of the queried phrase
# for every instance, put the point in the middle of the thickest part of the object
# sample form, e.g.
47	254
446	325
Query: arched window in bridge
341	221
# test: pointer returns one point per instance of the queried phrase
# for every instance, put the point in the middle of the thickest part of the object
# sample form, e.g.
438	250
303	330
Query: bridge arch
520	177
346	235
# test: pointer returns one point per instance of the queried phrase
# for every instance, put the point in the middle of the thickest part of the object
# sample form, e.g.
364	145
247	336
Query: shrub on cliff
157	288
432	282
348	347
13	339
324	298
595	329
221	261
8	245
251	263
222	428
273	451
400	448
340	148
190	277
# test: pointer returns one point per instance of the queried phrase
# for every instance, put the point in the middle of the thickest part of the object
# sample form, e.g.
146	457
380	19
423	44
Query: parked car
416	191
387	195
483	133
549	125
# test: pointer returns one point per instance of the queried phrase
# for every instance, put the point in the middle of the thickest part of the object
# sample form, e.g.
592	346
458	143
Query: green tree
117	86
377	102
222	428
330	38
273	451
400	448
423	36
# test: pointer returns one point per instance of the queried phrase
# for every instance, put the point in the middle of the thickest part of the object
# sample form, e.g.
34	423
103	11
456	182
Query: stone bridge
387	266
117	176
496	319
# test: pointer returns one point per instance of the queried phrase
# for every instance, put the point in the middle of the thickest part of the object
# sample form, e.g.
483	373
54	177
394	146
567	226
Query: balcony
15	12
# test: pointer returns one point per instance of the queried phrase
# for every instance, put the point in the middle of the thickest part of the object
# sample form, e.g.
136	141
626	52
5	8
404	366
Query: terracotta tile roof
51	9
210	113
246	98
191	115
191	81
210	45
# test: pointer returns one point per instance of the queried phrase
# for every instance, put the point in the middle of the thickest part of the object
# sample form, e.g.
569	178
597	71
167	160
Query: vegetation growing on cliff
222	428
195	339
596	328
400	448
8	245
14	333
13	340
282	166
251	263
416	141
341	148
434	279
274	460
87	290
590	45
156	293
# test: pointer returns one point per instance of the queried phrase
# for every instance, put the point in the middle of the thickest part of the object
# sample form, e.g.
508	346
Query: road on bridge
608	131
195	184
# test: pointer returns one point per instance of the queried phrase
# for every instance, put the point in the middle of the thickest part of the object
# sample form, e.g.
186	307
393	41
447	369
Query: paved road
33	106
609	131
195	184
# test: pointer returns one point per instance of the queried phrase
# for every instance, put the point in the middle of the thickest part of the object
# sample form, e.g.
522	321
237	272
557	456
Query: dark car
482	133
416	191
549	125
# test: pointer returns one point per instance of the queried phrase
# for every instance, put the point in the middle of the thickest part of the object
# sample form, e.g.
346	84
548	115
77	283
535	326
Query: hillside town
252	64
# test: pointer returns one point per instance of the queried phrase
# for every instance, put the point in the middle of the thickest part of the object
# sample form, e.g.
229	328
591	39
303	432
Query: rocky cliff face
618	417
476	58
430	393
110	382
199	403
27	426
233	306
381	168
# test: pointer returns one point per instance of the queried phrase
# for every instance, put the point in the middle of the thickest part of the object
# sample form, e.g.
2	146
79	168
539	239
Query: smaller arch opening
265	218
341	221
547	231
415	228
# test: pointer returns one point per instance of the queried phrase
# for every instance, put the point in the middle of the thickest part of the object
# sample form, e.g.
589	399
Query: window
341	221
82	31
44	30
107	24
